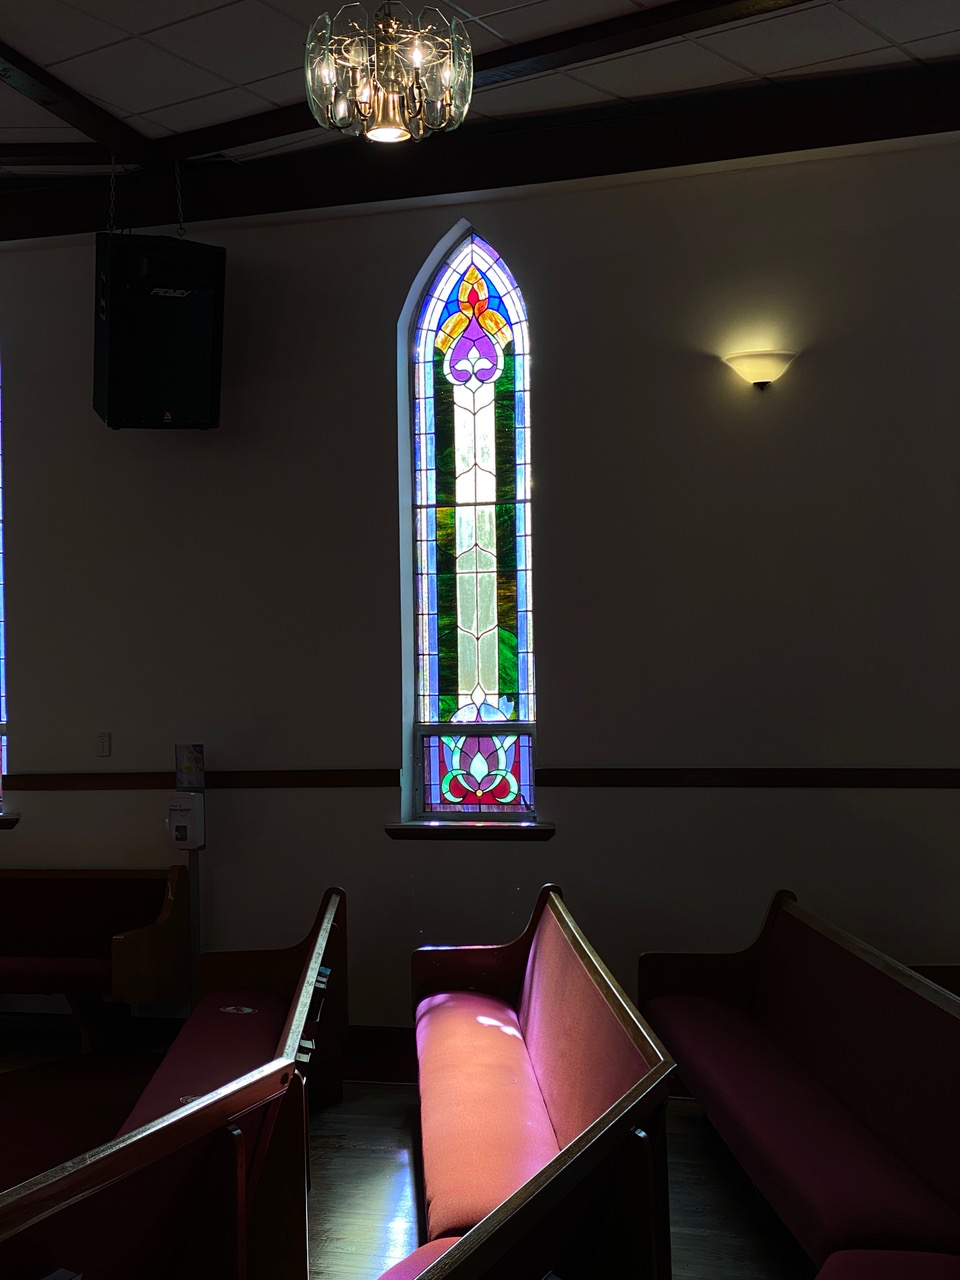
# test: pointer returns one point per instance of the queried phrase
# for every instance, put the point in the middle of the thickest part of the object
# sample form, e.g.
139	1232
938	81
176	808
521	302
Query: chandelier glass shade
389	79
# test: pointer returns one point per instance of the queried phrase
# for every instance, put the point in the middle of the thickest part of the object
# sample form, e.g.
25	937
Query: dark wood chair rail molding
881	779
224	779
790	778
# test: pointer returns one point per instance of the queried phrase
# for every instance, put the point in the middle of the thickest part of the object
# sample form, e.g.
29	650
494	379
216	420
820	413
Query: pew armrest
496	970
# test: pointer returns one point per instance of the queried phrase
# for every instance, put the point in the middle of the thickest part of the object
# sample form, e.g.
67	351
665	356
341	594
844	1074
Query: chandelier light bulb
389	78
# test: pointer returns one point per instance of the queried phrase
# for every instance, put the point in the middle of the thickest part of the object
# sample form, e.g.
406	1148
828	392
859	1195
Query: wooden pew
213	1156
93	935
813	1055
596	1208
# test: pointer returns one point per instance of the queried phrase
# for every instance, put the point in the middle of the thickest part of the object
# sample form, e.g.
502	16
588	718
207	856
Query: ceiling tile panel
135	76
283	90
546	17
230	104
303	12
147	127
887	57
903	20
46	31
243	42
545	93
795	38
296	142
677	67
936	47
482	39
137	16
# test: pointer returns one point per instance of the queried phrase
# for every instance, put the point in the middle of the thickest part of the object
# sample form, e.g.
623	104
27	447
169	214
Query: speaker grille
158	332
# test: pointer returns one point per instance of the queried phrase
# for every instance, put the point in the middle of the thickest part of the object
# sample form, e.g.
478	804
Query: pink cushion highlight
834	1183
215	1046
417	1262
583	1057
485	1126
889	1264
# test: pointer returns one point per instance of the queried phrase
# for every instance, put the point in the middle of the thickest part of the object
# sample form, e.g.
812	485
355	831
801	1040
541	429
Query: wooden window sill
425	829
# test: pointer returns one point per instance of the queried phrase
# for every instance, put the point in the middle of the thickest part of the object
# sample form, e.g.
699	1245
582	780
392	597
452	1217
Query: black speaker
158	331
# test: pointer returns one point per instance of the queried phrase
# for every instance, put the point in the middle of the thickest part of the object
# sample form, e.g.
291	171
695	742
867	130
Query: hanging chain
181	232
111	223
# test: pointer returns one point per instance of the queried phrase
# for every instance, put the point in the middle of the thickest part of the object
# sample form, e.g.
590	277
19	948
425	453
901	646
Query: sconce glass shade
390	80
760	367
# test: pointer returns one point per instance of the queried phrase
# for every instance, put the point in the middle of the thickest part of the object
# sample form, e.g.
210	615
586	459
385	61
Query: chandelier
394	82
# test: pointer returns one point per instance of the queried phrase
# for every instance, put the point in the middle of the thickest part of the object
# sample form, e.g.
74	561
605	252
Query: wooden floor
721	1228
363	1203
362	1208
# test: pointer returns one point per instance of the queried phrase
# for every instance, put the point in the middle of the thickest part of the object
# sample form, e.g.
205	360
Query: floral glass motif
472	496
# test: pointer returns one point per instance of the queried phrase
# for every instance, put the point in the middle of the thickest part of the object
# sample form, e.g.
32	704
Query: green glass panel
446	540
444	434
448	705
507	567
508	668
505	428
447	632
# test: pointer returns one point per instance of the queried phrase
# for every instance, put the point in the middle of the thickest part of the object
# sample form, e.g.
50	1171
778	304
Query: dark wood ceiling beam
282	122
13	154
19	73
690	129
616	36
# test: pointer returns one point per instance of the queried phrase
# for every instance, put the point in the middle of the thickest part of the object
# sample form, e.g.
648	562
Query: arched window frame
500	762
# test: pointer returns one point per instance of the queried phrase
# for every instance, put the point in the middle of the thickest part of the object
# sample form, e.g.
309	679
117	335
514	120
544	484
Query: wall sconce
760	367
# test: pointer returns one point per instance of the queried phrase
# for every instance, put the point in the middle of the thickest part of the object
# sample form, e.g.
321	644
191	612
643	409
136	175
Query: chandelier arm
415	98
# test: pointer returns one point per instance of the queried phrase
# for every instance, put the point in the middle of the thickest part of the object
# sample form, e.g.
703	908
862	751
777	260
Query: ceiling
563	89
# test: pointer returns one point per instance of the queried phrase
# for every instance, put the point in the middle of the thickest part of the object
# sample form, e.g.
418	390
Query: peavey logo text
172	293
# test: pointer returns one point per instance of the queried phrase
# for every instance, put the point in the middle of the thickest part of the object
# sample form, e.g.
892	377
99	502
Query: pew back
878	1035
167	1199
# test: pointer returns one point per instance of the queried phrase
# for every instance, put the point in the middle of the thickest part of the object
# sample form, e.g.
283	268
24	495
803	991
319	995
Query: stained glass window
475	707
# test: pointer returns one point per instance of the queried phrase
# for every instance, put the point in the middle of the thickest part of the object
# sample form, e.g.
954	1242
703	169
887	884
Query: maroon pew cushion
227	1035
889	1264
484	1123
55	975
833	1182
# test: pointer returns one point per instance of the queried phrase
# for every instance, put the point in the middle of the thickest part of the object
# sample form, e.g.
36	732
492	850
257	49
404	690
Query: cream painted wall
724	577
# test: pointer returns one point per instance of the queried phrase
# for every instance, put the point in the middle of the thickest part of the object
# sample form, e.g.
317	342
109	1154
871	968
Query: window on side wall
472	727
